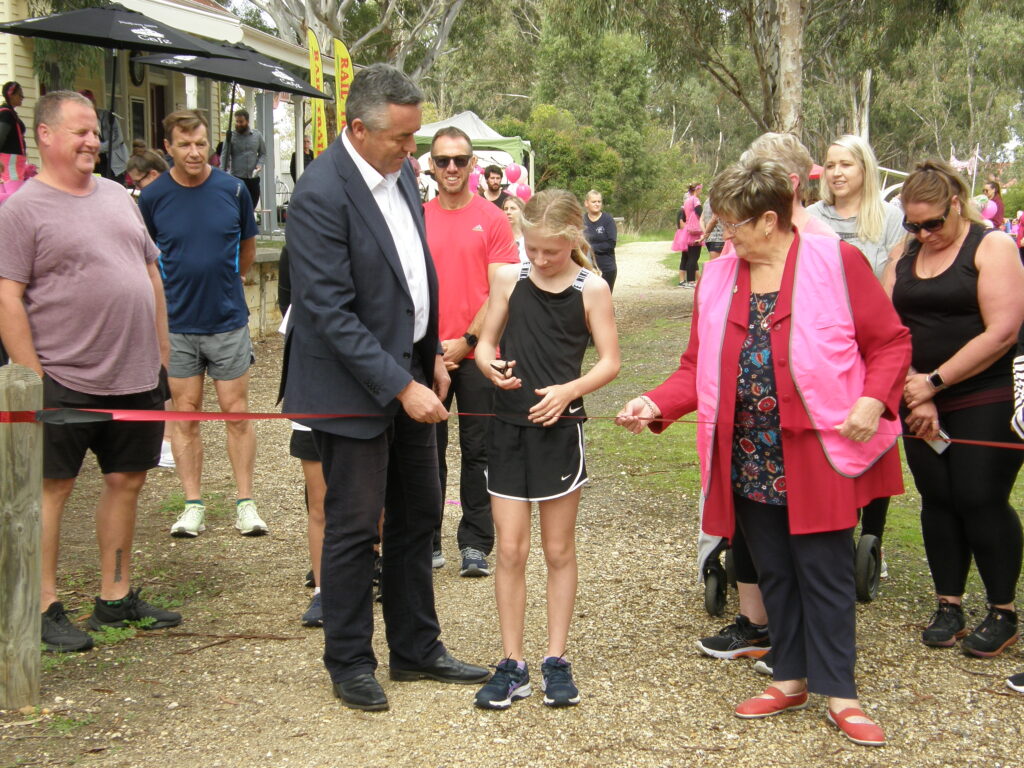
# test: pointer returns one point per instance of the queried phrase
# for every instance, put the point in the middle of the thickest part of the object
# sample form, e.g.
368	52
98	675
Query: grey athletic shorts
224	356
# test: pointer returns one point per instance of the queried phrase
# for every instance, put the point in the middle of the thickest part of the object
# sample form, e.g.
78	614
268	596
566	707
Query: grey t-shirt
877	253
89	298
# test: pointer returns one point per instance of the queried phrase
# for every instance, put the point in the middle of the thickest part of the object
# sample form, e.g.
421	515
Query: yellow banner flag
342	80
316	78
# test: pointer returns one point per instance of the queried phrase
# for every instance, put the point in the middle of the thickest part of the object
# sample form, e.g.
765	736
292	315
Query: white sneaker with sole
190	523
249	522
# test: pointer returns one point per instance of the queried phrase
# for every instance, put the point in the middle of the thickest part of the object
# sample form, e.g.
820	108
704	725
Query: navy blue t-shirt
198	231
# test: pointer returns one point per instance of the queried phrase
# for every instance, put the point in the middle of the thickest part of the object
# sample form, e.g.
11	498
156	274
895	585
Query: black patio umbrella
254	69
249	67
111	26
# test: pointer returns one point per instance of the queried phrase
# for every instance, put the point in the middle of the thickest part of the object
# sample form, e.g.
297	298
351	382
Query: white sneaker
249	522
166	455
190	523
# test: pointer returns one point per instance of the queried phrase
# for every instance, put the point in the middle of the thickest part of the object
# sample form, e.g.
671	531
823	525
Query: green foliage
113	635
56	62
64	724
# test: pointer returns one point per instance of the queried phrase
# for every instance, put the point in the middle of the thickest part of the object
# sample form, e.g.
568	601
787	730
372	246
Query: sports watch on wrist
936	380
470	339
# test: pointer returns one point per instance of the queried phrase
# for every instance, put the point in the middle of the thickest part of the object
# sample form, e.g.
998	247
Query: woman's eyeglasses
461	161
731	227
932	225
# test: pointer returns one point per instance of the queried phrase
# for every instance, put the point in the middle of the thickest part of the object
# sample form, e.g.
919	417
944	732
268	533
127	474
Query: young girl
543	312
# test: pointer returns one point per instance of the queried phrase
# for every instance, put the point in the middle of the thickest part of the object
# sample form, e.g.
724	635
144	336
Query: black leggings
688	260
742	562
965	502
872	517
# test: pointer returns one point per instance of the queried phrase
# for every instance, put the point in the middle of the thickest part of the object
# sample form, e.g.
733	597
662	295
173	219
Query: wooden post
21	491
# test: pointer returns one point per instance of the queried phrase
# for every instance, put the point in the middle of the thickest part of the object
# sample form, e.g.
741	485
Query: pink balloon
523	192
513	172
989	210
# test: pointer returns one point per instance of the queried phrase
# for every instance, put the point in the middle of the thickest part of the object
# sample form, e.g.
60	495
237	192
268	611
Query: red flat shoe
865	734
755	708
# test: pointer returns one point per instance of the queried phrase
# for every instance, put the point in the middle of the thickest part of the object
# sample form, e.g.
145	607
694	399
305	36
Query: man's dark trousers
253	185
397	471
473	393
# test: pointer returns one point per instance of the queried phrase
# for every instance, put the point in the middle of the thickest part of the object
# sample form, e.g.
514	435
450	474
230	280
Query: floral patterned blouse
757	469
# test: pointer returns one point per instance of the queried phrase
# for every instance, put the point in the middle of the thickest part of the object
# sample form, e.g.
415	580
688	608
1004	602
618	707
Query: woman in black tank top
959	288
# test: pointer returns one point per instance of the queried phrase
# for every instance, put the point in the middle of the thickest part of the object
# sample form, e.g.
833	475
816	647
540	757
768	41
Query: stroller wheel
867	565
714	592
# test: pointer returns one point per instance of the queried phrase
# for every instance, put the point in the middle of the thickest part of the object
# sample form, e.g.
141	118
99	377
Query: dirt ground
241	683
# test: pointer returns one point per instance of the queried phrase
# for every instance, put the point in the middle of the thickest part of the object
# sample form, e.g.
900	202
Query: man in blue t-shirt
202	221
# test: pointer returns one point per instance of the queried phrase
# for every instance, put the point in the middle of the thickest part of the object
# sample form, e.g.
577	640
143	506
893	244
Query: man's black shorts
302	445
120	446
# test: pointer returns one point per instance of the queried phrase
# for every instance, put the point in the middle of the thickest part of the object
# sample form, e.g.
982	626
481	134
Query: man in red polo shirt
469	238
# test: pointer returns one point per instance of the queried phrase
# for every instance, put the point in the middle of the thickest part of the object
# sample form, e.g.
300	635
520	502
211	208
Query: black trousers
689	260
397	471
965	502
808	588
473	393
253	185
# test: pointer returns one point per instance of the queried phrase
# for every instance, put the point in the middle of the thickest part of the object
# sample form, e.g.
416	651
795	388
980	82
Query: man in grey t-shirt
82	304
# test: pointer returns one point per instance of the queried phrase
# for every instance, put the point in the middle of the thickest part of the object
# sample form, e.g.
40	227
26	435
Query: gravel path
241	683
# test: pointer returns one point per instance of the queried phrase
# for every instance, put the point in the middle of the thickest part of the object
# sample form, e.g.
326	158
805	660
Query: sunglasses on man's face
931	225
461	161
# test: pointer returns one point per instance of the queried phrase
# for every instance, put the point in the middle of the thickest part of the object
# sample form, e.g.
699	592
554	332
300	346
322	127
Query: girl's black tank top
546	334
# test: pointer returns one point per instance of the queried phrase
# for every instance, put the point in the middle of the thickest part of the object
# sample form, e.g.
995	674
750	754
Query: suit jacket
349	346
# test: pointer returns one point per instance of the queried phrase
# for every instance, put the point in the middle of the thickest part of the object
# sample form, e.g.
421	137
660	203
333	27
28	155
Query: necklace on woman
764	316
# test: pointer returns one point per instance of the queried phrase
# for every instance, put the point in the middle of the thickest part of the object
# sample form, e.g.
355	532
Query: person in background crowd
13	154
469	239
689	243
852	206
959	287
712	236
307	157
995	194
201	219
109	286
513	207
602	235
143	168
246	154
492	190
810	417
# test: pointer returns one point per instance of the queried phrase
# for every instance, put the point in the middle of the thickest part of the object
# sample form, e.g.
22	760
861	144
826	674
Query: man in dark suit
363	339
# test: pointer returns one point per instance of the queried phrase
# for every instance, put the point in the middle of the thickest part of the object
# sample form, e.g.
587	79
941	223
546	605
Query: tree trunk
791	47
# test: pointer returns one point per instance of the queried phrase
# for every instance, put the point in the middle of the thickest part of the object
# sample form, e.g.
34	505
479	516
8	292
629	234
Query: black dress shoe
447	669
362	692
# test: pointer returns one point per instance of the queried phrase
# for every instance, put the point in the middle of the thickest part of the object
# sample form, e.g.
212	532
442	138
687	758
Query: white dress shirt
403	230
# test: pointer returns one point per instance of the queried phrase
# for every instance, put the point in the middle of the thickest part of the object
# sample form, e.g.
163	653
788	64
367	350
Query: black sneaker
131	608
59	634
559	689
309	581
946	626
996	633
1016	682
766	664
507	684
738	640
474	563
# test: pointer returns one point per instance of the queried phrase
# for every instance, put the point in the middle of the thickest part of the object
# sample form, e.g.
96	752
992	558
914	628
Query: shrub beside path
241	683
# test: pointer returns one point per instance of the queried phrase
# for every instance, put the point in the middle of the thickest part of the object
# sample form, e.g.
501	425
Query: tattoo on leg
117	564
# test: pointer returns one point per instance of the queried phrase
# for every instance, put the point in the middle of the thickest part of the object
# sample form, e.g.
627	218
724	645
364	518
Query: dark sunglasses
932	225
461	161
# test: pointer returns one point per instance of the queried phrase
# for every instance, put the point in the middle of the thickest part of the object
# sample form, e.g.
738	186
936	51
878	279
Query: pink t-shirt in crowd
462	244
88	295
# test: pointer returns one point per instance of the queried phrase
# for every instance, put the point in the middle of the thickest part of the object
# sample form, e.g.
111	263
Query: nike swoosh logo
574	410
566	477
